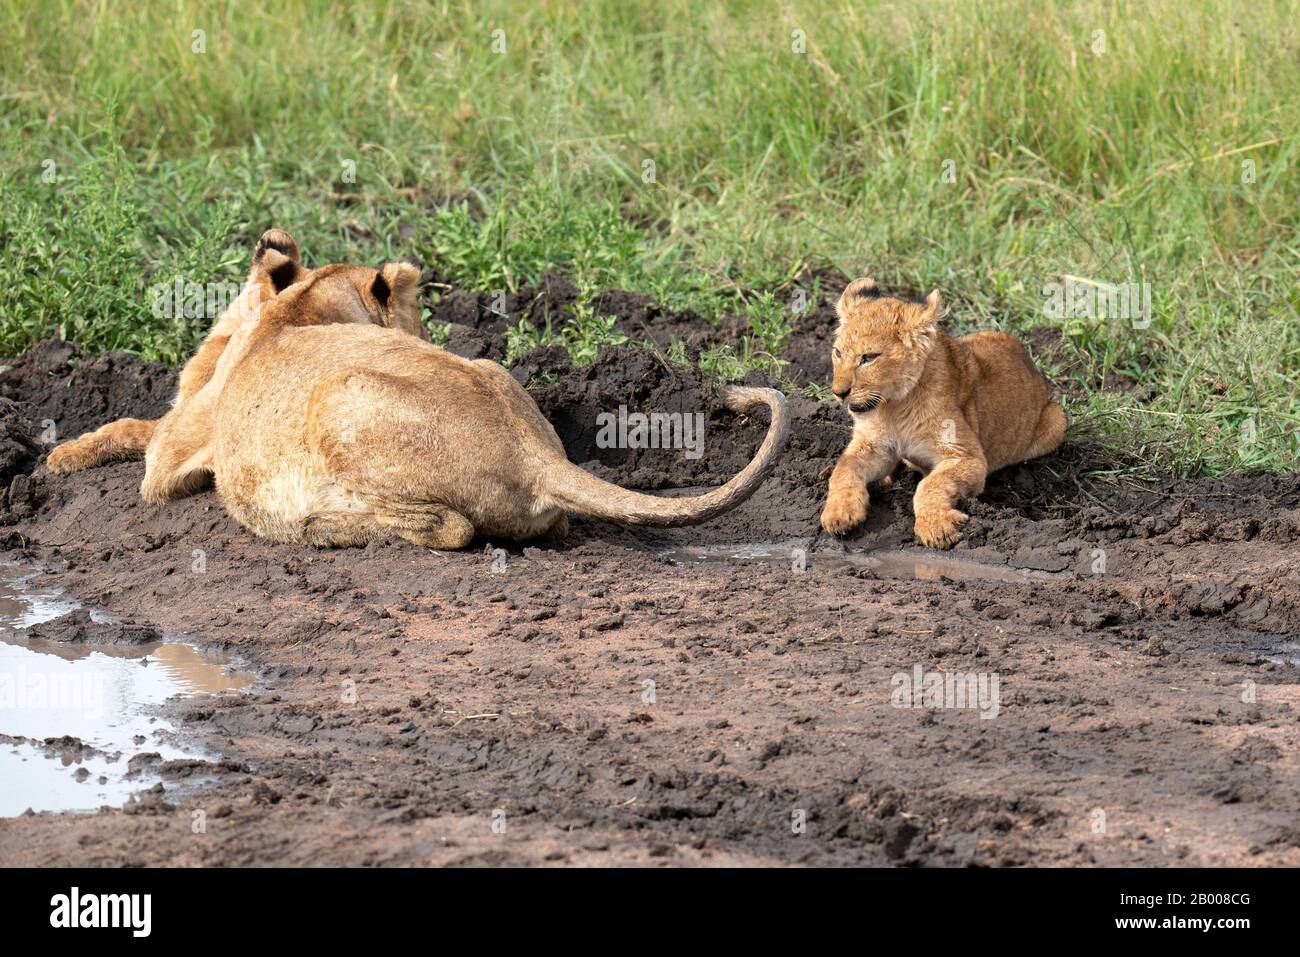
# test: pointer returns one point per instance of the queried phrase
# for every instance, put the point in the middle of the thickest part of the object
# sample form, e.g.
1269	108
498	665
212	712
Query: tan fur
953	409
178	460
322	427
127	439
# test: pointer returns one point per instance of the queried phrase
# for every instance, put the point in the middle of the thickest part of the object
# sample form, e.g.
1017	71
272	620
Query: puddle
885	563
74	715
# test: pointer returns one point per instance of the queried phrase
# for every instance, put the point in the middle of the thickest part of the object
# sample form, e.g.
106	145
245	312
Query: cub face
881	345
295	295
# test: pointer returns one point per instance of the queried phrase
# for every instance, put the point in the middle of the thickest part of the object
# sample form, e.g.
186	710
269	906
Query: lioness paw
844	511
941	529
71	456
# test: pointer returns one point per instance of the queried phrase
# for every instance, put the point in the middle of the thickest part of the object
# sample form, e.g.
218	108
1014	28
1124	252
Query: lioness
328	435
953	409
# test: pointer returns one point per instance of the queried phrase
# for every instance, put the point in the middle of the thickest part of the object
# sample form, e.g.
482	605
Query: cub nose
841	391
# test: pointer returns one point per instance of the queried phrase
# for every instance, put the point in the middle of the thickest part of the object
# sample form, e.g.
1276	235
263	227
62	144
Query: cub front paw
941	529
844	512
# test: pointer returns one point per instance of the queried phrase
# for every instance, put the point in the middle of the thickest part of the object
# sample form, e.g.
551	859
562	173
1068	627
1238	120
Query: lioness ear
277	271
427	276
278	240
277	263
397	290
381	290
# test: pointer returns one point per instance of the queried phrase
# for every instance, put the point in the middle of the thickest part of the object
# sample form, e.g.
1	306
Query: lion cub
953	409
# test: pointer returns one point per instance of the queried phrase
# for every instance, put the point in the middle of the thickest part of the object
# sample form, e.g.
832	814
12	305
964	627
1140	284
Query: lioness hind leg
339	529
431	527
1049	433
118	441
371	435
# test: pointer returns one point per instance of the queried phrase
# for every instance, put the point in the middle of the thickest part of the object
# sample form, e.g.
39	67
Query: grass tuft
704	155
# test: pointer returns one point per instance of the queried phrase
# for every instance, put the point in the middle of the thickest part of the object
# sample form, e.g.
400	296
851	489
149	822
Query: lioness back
313	408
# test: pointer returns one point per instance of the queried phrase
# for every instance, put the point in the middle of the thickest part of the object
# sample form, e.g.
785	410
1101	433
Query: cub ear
933	311
397	290
861	289
918	323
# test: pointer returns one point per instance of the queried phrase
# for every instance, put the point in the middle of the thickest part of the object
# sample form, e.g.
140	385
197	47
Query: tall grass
705	154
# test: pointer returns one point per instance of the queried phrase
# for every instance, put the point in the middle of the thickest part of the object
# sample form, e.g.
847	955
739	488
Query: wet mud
744	692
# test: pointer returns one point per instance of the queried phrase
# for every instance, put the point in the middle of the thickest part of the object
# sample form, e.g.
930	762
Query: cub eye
868	358
835	353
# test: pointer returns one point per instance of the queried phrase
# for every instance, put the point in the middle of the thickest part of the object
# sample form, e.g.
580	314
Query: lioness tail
580	492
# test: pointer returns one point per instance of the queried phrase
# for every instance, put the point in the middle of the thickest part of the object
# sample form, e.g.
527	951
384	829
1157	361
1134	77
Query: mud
78	695
604	701
79	627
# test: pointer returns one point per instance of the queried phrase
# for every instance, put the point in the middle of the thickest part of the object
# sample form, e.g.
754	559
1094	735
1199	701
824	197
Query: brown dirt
525	692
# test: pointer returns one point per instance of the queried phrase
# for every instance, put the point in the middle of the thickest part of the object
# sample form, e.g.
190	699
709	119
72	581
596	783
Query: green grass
987	149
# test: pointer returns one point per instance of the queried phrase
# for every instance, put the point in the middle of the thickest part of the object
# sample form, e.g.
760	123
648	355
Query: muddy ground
602	703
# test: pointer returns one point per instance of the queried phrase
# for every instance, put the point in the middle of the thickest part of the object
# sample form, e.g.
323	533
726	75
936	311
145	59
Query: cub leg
938	522
846	499
557	531
1049	433
889	480
117	441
